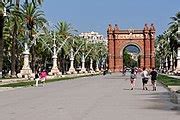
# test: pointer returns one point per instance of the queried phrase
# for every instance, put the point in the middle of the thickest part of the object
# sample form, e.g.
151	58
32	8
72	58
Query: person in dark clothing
153	74
133	78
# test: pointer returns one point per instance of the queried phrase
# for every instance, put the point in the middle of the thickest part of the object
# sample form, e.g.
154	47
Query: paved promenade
95	98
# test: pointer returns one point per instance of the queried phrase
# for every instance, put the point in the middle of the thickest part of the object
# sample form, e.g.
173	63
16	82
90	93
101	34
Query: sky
96	15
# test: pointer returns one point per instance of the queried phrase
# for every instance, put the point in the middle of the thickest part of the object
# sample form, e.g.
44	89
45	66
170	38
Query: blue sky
95	15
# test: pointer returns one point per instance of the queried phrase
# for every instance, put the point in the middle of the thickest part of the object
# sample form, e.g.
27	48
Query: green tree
163	49
127	59
3	4
65	30
34	18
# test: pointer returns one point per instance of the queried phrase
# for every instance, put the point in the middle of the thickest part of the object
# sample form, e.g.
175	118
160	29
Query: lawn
168	81
32	83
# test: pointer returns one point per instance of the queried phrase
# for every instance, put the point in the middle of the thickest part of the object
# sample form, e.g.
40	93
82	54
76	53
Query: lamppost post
71	69
55	69
91	66
83	69
97	66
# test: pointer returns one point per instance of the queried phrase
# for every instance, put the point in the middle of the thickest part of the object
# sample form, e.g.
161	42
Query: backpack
133	76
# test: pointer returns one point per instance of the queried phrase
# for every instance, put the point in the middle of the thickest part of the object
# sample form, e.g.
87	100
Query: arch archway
131	54
119	39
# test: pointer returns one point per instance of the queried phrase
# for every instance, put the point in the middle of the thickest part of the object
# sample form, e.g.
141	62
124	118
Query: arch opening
131	56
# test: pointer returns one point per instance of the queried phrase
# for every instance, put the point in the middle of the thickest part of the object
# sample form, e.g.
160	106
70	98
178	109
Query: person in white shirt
145	78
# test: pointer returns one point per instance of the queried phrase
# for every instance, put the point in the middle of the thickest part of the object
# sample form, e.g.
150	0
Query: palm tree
172	33
3	3
163	48
99	51
172	30
2	6
15	20
34	18
175	22
35	2
64	30
78	46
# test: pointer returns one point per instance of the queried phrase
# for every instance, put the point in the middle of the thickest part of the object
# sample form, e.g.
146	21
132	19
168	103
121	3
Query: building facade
94	37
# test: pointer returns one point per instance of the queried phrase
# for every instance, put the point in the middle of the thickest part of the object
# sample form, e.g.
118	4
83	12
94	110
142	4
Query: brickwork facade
119	39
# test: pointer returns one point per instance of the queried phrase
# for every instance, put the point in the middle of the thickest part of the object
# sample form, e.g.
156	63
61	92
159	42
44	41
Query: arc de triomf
119	39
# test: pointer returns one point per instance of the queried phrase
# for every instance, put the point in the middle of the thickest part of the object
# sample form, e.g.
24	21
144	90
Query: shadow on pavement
161	101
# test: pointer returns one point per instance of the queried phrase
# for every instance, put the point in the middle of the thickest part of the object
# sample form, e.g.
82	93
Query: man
153	74
145	78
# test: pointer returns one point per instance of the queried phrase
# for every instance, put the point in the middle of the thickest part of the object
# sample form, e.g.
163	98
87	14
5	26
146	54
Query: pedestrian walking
153	74
145	78
133	78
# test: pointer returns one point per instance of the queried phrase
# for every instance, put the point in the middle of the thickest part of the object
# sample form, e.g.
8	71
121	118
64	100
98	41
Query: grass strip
31	83
168	81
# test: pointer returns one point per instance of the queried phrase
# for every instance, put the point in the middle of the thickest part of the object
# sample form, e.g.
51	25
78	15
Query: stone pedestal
72	69
26	70
55	70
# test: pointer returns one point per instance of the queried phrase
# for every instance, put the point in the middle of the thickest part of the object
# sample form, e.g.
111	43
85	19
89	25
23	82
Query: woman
132	78
43	76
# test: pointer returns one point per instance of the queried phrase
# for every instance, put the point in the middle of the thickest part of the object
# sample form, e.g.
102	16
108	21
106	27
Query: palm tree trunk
32	52
33	59
1	44
13	53
18	63
63	65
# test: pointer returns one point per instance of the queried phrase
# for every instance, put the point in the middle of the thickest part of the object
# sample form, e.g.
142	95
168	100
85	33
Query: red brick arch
119	39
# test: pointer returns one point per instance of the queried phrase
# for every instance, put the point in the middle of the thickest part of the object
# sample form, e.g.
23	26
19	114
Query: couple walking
145	77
